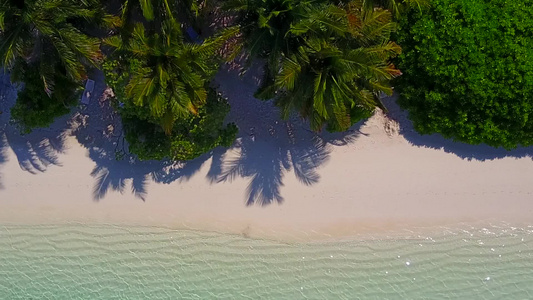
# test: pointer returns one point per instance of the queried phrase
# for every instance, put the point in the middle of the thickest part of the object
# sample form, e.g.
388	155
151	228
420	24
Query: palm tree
153	10
339	71
172	76
265	24
150	9
41	32
265	27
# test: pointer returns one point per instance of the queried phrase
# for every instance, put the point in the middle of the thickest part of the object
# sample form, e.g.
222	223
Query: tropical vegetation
34	107
465	65
45	42
468	70
329	63
163	95
162	83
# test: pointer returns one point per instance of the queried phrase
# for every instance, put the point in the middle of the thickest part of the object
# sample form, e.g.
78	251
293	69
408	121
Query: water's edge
114	262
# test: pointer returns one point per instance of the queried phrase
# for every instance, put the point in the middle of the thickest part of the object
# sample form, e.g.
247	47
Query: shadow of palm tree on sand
98	129
35	151
267	148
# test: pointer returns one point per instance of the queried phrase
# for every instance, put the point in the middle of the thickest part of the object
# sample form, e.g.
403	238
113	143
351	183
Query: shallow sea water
110	262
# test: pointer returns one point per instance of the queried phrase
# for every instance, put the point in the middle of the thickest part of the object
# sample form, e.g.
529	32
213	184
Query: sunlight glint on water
107	262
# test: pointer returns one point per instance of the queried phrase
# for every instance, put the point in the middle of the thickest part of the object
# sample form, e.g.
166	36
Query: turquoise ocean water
109	262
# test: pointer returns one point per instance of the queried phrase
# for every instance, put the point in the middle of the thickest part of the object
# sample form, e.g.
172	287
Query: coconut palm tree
172	76
41	32
265	24
153	10
338	72
265	27
149	8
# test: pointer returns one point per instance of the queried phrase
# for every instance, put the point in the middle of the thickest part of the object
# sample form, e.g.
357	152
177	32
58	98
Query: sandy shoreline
279	180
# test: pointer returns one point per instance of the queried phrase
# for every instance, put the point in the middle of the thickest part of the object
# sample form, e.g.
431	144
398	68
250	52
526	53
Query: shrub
34	108
468	70
191	137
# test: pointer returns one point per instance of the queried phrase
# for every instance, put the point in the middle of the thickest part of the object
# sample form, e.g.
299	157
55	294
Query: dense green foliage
191	136
34	108
467	67
468	70
329	63
195	129
43	33
172	76
161	84
41	43
265	26
150	9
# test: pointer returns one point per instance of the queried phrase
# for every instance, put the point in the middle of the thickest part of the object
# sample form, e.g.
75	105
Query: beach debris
290	132
271	130
252	134
108	93
110	129
392	127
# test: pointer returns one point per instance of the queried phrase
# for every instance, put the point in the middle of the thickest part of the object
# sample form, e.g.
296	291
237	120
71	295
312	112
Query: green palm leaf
32	30
171	78
339	68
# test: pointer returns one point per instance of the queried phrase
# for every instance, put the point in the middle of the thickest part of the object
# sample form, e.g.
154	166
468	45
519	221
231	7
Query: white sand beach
278	180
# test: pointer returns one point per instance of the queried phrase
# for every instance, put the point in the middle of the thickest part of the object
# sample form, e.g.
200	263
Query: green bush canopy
191	135
468	70
34	107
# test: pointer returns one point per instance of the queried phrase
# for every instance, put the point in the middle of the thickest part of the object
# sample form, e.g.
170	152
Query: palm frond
2	20
236	5
12	45
147	9
140	86
288	75
46	72
212	45
318	95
